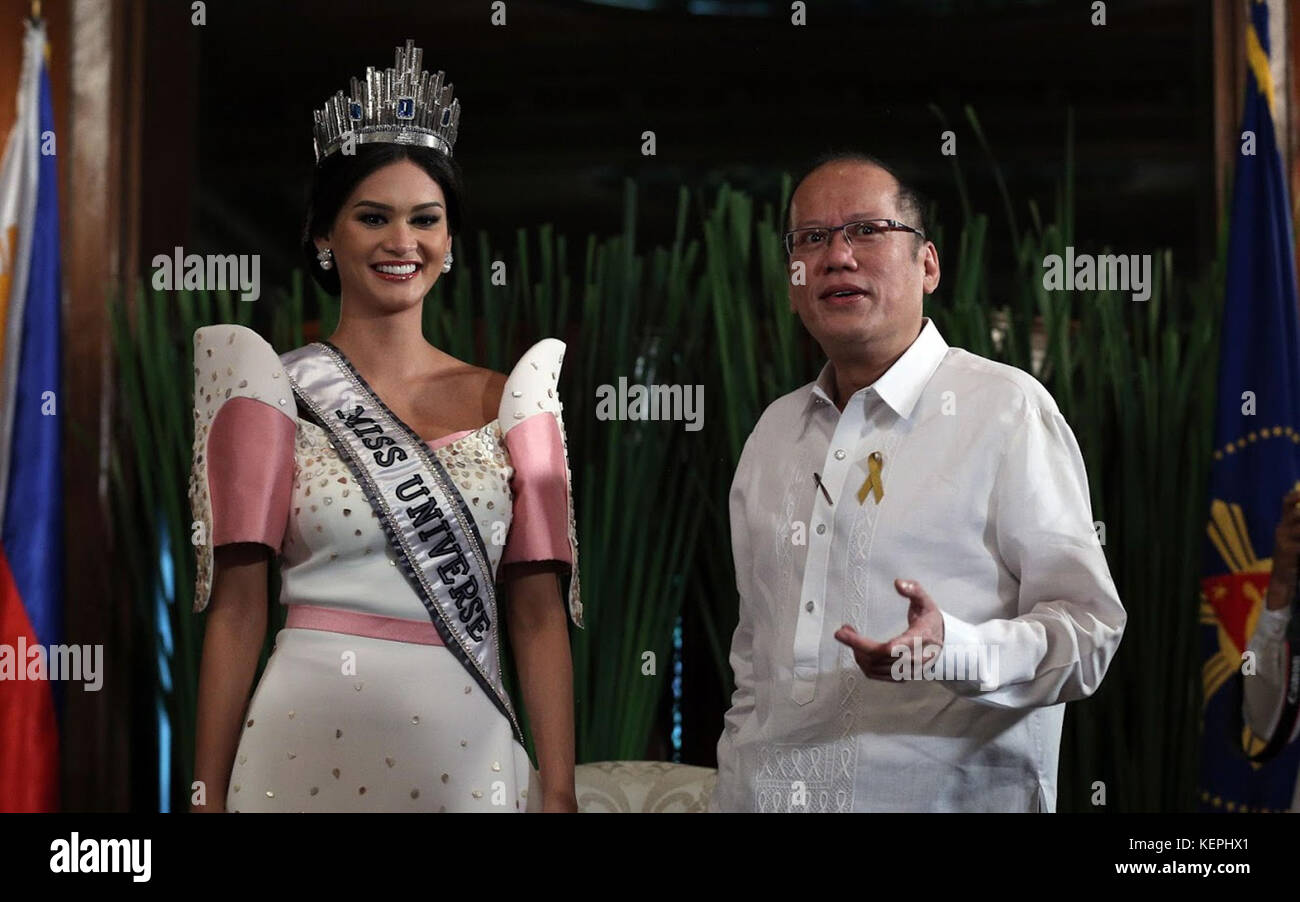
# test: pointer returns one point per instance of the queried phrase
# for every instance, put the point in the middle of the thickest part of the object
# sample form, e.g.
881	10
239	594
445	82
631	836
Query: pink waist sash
355	623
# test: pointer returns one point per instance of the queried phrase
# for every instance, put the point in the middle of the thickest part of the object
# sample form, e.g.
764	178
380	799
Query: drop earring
446	262
325	257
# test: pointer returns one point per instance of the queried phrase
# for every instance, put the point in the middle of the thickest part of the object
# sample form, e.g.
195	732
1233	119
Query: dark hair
339	174
911	202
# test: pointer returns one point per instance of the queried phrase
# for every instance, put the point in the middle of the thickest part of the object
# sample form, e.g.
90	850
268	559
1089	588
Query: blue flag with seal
1256	456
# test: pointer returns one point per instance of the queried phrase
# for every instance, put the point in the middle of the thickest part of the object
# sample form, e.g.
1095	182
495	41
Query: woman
400	487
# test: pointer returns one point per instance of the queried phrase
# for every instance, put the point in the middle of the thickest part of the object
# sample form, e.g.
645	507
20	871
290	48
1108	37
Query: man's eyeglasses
861	233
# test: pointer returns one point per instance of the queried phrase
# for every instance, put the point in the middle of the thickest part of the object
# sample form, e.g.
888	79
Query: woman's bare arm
232	644
539	635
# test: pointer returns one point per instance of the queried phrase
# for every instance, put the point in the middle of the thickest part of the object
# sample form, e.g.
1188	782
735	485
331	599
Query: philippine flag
31	486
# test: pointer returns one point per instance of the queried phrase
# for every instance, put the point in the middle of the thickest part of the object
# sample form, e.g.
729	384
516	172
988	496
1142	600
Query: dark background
554	104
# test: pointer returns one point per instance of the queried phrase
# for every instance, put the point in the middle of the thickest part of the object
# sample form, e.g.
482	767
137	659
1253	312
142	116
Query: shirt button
809	607
840	454
821	528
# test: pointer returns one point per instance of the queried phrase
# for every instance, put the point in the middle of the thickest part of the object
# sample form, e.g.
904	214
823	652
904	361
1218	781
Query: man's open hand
924	622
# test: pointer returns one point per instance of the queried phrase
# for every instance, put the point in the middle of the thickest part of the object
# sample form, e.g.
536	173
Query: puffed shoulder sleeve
244	428
542	527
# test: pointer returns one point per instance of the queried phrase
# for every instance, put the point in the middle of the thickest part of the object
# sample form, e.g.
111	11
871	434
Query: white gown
347	722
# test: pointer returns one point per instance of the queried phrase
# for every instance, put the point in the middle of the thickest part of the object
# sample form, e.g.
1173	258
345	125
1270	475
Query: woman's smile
396	270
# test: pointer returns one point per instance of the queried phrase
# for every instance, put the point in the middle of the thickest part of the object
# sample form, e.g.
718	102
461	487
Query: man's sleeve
742	641
1263	690
1070	617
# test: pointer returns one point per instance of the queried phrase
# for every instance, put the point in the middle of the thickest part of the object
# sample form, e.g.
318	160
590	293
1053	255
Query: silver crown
401	105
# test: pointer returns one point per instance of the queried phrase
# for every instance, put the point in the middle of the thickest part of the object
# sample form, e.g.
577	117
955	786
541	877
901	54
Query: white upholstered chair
643	786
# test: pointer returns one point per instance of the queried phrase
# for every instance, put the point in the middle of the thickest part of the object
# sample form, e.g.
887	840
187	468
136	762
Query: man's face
886	273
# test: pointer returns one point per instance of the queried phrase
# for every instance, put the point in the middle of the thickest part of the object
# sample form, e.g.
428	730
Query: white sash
425	519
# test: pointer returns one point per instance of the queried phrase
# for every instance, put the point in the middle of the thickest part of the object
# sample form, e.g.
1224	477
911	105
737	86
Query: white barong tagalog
985	504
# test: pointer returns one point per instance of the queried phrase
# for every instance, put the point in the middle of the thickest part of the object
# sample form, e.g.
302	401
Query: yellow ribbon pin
875	482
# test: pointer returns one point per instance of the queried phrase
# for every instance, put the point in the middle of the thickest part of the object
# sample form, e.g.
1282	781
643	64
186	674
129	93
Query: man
1268	698
918	494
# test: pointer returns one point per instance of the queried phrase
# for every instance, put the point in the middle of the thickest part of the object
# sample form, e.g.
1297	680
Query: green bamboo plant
1133	379
762	352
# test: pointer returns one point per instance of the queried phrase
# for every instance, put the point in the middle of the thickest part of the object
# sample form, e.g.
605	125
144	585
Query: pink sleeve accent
539	530
250	472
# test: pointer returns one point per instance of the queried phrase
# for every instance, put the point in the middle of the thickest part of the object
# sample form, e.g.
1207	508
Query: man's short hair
912	204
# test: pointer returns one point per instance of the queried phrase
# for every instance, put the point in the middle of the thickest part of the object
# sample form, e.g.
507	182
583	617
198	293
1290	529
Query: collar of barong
425	520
